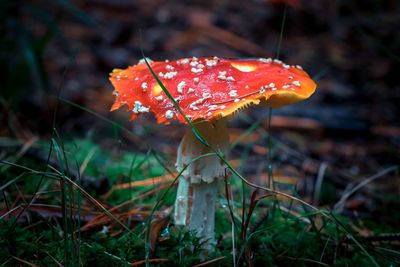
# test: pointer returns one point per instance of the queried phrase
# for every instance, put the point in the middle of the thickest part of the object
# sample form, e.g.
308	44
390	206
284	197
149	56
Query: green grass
281	234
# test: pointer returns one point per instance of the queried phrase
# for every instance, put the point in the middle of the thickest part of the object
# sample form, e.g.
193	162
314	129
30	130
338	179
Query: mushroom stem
198	185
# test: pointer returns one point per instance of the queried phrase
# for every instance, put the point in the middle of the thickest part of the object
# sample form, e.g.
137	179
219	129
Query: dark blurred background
66	49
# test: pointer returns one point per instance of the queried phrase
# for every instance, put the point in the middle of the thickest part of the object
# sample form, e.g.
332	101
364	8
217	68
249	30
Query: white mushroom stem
198	185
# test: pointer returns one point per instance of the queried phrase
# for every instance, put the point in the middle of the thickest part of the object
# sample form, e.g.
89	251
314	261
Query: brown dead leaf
142	262
298	123
49	211
209	262
146	182
157	225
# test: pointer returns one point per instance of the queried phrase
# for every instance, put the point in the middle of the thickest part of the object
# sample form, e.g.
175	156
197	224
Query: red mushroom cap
208	88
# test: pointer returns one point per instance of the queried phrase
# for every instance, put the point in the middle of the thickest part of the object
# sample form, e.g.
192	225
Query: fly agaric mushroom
207	90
